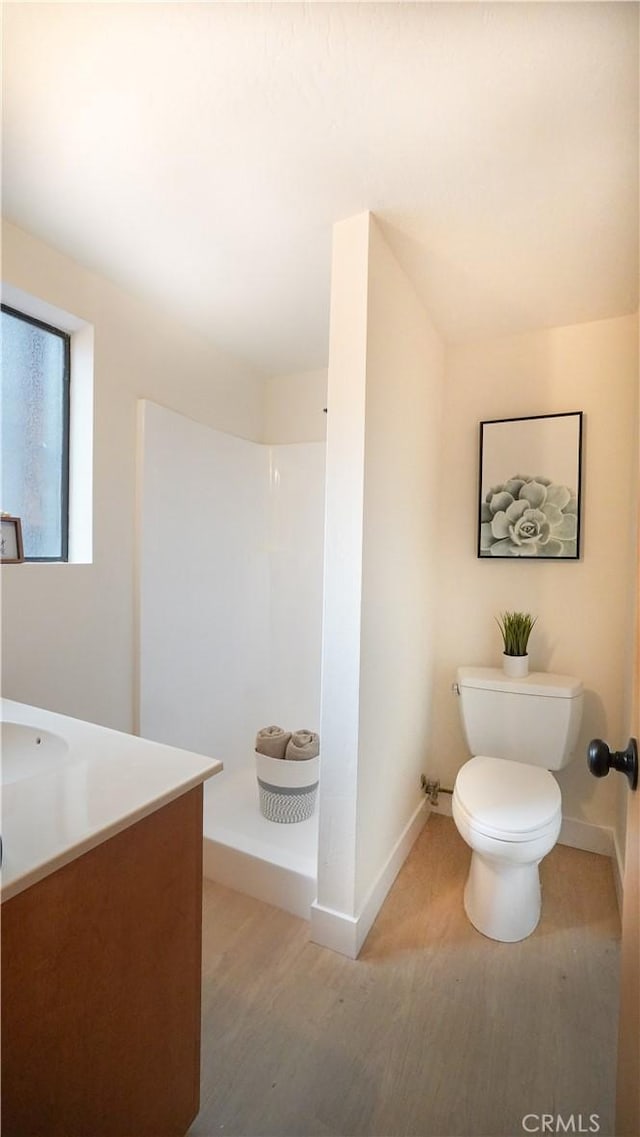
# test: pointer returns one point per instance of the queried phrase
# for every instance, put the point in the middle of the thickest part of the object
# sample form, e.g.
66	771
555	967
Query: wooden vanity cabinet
101	972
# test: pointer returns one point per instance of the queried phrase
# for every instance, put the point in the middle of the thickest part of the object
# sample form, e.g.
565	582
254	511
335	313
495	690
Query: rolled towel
304	744
272	740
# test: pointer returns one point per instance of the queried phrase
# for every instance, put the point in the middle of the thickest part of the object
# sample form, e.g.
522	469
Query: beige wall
400	569
344	497
294	408
583	608
386	371
68	630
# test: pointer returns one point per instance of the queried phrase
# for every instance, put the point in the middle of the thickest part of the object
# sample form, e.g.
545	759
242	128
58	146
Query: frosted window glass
34	451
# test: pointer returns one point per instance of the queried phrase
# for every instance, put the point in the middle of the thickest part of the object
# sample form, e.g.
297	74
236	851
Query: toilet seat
512	849
508	801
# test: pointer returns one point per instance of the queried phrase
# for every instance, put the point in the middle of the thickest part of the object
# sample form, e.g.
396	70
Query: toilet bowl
506	804
510	816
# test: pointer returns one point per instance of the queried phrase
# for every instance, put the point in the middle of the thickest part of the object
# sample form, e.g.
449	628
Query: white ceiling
199	154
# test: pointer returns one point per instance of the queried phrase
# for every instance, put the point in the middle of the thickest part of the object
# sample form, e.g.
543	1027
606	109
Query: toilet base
502	900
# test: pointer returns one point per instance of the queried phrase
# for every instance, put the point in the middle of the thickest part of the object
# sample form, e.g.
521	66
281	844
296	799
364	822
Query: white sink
75	785
27	751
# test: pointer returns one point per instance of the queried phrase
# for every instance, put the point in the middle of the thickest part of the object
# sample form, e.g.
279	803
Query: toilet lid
507	798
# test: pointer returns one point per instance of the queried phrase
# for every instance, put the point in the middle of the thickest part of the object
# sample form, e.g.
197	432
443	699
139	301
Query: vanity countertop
109	780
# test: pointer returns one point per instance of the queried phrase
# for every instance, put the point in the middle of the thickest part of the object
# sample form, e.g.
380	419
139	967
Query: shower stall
230	577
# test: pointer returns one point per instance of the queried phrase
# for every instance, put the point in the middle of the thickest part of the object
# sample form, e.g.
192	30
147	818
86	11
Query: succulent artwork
529	517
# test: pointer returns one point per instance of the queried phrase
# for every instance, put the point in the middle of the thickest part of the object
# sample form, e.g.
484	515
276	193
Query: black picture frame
530	487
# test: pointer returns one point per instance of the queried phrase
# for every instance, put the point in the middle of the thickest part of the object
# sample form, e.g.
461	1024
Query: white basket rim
293	775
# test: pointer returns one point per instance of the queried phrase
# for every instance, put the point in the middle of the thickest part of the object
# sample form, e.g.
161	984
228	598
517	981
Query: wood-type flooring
435	1031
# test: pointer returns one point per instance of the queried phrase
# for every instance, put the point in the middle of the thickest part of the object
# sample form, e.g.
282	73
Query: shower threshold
242	850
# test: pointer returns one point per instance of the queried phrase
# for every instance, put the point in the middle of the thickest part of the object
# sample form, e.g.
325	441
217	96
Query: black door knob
600	760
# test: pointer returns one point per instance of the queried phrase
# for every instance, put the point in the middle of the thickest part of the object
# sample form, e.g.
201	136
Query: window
35	433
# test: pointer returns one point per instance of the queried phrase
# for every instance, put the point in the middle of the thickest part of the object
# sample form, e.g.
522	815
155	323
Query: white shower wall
295	570
230	585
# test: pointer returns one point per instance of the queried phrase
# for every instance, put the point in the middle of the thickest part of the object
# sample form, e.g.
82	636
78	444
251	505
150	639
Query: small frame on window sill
530	474
11	548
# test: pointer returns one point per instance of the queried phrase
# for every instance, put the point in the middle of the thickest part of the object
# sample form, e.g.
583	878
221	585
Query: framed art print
530	471
11	547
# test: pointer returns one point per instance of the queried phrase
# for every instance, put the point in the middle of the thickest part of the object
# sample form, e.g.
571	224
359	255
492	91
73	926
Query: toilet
506	804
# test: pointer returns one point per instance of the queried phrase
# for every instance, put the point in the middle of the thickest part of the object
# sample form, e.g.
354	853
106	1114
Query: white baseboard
377	893
346	934
584	835
334	930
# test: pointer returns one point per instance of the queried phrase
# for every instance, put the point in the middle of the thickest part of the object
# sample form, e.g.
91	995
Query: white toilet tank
534	720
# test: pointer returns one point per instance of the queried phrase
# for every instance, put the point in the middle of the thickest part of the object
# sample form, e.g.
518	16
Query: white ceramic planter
515	666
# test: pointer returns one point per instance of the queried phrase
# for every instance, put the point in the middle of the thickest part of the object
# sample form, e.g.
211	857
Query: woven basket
287	790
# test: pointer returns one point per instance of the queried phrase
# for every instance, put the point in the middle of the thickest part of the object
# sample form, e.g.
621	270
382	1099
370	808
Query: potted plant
516	628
